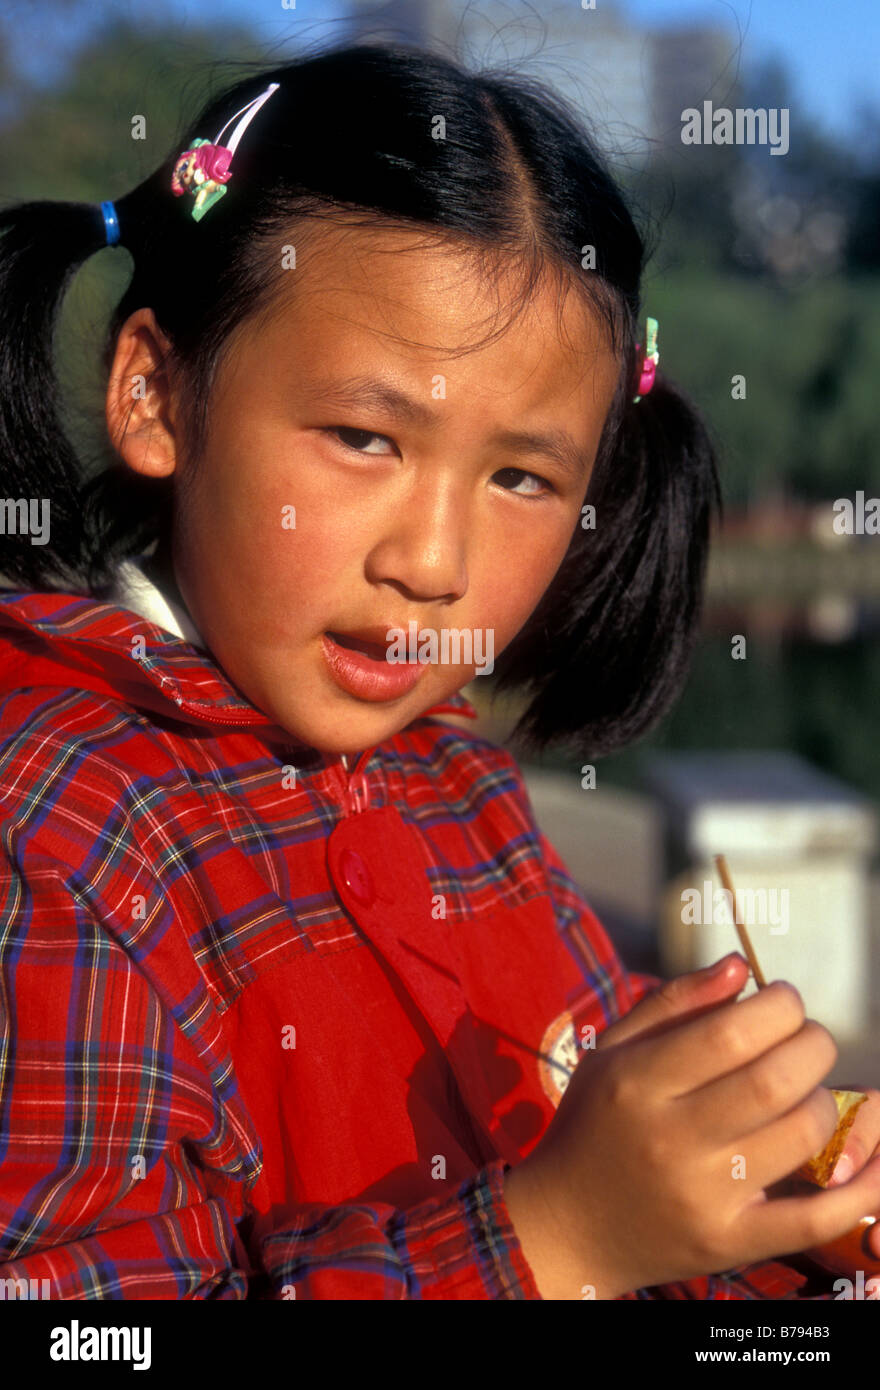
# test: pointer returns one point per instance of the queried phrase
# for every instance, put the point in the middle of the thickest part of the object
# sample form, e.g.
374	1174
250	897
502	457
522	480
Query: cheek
513	580
274	526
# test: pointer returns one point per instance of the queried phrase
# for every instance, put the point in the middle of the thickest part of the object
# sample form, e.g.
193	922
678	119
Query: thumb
676	1001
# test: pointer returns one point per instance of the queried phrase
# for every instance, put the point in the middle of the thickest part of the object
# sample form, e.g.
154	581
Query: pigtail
42	244
608	650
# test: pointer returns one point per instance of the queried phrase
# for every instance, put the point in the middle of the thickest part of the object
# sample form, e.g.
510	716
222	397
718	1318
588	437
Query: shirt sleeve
617	991
460	1248
123	1176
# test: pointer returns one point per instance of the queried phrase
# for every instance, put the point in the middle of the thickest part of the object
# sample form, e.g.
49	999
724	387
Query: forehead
407	299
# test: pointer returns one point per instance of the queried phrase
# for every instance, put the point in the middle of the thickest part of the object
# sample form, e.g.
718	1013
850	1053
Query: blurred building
691	64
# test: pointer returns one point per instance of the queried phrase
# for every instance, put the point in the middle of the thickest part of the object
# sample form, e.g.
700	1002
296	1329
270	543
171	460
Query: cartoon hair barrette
652	357
203	169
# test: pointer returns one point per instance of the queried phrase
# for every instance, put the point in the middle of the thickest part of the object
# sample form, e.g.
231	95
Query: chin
350	730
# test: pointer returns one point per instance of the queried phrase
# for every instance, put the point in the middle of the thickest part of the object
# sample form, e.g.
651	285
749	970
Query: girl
292	982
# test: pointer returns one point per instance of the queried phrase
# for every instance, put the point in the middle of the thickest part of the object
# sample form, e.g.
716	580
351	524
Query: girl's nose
423	547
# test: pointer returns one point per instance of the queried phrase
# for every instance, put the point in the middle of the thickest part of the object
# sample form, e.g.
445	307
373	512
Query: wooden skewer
721	865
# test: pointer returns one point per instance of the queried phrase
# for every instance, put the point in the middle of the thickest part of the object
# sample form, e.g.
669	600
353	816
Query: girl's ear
141	410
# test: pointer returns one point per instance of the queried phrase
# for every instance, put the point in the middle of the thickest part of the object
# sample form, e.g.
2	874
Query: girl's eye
539	486
356	438
514	478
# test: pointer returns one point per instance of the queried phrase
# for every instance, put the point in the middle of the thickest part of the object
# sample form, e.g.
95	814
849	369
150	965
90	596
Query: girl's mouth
376	650
360	668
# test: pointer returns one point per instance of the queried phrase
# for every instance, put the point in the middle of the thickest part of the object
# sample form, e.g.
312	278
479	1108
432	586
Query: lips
357	663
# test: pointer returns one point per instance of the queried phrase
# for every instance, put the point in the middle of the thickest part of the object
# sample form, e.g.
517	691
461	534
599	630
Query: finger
863	1139
686	996
787	1225
692	1054
778	1149
735	1105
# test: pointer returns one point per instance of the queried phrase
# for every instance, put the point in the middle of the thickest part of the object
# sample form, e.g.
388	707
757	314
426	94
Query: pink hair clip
652	357
203	169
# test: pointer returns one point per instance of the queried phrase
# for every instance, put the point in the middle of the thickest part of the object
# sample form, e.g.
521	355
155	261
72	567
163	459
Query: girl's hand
655	1166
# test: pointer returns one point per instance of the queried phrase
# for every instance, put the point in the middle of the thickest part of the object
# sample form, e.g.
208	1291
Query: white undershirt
134	590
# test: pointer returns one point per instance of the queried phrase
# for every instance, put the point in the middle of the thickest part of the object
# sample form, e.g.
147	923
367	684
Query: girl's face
359	477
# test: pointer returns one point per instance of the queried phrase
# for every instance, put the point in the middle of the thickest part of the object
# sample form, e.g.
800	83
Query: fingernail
844	1169
721	967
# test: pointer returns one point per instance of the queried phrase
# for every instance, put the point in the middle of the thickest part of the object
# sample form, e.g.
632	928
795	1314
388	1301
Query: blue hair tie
111	223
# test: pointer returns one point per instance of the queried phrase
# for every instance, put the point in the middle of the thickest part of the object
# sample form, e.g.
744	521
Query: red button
356	876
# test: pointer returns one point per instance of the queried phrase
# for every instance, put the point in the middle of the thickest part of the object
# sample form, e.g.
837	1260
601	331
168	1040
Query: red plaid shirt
270	1027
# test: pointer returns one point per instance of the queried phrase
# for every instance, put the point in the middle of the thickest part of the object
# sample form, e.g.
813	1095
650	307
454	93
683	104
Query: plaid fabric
259	1038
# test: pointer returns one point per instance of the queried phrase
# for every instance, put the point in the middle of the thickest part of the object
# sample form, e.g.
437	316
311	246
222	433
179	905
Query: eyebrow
381	395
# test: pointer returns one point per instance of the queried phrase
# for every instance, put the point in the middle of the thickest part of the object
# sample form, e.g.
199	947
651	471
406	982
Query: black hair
348	138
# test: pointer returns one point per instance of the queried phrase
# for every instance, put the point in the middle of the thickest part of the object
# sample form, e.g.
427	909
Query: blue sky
831	47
